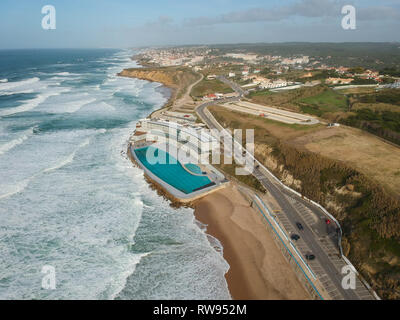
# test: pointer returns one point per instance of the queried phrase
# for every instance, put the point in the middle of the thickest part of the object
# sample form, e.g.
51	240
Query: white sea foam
69	106
15	188
15	84
3	80
32	103
10	93
13	143
24	86
98	108
120	280
69	159
63	74
21	185
82	208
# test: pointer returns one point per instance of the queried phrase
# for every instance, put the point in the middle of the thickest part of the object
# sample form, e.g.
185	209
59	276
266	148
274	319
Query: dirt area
374	157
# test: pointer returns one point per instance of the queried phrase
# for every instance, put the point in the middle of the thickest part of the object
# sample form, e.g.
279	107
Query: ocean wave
101	131
21	185
71	106
33	103
15	84
98	107
69	159
109	236
16	188
119	283
10	93
63	74
13	143
3	80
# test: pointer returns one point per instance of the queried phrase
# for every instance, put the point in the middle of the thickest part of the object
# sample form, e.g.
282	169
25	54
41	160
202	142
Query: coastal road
233	85
316	237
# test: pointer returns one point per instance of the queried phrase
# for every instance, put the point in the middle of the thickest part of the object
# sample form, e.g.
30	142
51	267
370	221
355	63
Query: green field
210	86
259	93
327	101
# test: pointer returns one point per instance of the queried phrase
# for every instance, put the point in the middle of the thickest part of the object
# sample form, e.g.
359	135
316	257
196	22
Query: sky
133	23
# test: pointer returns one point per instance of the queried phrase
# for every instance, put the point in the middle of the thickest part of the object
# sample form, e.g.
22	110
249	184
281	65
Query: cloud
161	22
302	8
230	28
378	13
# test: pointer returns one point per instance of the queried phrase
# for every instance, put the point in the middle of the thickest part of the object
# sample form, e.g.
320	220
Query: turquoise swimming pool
172	172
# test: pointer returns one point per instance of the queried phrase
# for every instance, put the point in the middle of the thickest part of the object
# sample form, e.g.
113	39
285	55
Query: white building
195	137
273	85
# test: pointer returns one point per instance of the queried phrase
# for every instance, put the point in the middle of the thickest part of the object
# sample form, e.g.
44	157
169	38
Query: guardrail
286	236
290	253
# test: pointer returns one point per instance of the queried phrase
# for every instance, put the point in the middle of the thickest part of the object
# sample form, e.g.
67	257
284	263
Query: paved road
233	85
290	204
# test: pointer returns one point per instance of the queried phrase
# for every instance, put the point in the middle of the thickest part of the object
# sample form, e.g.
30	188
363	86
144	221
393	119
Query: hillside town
254	71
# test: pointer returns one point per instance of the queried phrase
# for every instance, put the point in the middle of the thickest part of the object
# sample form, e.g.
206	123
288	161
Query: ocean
70	198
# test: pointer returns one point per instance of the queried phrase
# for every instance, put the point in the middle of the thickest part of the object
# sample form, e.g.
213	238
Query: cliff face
166	77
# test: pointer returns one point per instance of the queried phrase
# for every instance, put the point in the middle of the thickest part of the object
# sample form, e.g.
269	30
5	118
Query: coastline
258	270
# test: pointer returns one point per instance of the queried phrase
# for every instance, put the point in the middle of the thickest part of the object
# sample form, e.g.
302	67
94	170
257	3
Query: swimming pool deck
175	193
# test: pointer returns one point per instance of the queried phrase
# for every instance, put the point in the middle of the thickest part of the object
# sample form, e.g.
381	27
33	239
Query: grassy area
385	124
327	101
377	112
389	96
285	99
210	86
361	90
261	93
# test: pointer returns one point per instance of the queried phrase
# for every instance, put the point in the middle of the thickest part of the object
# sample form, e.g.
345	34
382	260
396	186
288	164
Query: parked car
295	237
299	226
310	257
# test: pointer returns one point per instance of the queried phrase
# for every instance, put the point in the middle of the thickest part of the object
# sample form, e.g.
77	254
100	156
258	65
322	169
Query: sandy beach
258	269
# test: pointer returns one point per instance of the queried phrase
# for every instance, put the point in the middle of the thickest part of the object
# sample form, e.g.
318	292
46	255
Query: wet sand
258	269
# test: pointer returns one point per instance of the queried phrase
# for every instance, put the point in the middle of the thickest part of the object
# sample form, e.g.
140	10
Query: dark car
299	226
310	257
295	237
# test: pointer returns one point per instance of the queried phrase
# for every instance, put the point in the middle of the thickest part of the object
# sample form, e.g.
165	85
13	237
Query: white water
71	199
